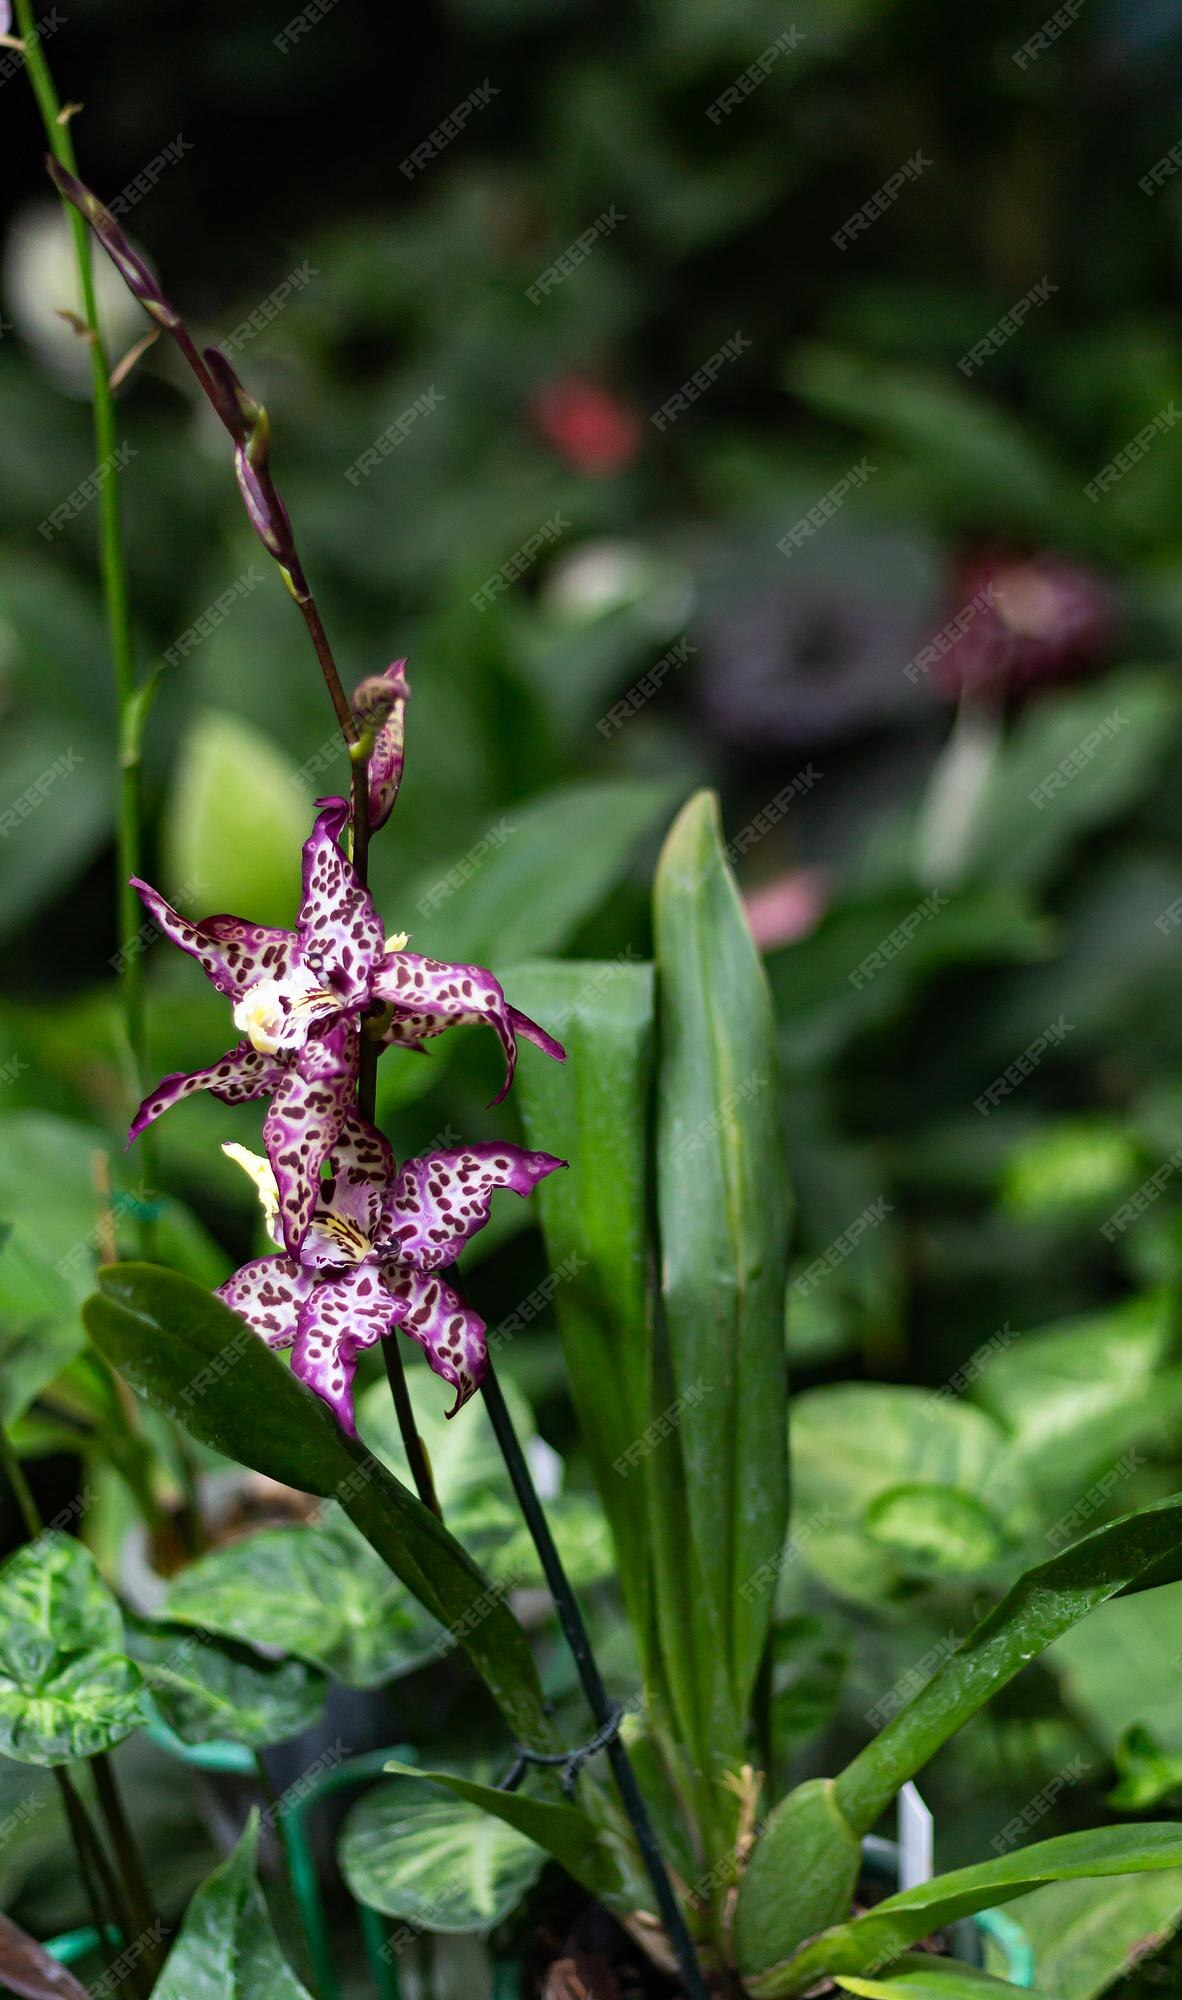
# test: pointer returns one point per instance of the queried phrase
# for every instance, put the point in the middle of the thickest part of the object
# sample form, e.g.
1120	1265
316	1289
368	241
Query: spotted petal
450	1334
305	1120
238	1077
429	996
340	1316
231	952
380	705
361	1171
339	930
441	1200
268	1293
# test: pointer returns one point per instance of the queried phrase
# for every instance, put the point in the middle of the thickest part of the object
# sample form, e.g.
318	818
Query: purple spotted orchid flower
370	1262
299	999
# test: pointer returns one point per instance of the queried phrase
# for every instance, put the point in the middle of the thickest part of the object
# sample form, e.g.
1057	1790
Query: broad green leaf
208	1690
1078	1394
872	1941
1085	1934
537	872
189	1356
1070	764
1134	1551
235	822
922	1976
26	1968
227	1949
891	1481
564	1831
66	1688
440	1863
1119	1669
319	1592
802	1874
593	1111
723	1209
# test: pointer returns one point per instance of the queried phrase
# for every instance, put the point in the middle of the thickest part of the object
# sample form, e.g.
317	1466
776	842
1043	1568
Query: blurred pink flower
787	908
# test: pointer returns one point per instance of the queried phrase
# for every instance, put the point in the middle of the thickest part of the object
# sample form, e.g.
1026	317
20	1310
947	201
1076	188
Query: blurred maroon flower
1022	619
595	431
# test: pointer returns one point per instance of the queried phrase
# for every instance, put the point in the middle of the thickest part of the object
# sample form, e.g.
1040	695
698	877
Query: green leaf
1147	1774
564	1831
235	822
870	1942
977	462
188	1355
319	1592
921	1976
1085	1934
890	1481
1076	1395
801	1876
537	873
55	784
723	1205
440	1863
66	1688
1136	1550
1110	738
593	1111
208	1691
1120	1668
227	1949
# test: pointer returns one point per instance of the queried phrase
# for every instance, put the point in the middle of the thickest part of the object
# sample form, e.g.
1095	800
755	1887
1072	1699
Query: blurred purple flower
1034	618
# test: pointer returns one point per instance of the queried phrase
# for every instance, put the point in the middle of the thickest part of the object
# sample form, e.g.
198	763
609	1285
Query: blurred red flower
595	431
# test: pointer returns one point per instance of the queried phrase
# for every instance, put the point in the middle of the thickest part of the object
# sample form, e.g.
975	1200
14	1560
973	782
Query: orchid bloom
300	996
371	1259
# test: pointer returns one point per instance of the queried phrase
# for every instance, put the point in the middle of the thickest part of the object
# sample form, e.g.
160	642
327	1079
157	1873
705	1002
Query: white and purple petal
305	1119
361	1170
440	1200
450	1334
429	996
340	932
238	1077
379	704
341	1316
268	1293
232	953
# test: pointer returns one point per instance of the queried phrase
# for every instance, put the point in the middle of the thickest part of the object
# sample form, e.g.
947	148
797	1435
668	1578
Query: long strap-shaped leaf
720	1479
1136	1549
873	1941
189	1356
594	1111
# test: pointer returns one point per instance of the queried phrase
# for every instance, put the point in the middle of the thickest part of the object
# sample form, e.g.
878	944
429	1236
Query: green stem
131	1868
114	580
279	1821
22	1491
578	1639
91	1862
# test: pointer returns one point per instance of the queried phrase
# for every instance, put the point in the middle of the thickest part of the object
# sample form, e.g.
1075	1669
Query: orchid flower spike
371	1259
300	998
